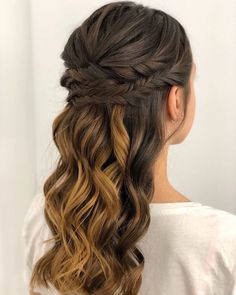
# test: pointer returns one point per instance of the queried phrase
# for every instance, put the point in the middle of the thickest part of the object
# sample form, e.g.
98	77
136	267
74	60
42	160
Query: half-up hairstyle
121	63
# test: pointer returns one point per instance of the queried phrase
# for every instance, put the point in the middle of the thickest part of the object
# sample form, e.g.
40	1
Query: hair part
120	65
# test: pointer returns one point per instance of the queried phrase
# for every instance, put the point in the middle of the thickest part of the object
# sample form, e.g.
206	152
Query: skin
164	192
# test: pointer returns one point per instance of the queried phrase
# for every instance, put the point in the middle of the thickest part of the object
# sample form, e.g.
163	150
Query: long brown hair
120	65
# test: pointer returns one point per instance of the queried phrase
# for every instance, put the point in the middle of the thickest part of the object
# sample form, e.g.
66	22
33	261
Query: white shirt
189	249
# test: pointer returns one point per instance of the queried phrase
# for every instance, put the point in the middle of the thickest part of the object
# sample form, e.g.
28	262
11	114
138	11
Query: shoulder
221	226
34	234
206	236
225	221
202	227
209	215
222	221
34	214
35	231
31	234
33	224
227	237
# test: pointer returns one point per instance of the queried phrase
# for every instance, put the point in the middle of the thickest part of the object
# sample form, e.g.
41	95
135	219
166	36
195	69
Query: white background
33	34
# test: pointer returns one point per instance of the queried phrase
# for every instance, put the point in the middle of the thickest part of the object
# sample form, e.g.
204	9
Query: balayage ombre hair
120	65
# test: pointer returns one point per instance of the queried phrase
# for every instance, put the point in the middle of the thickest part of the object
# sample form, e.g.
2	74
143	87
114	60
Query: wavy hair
120	65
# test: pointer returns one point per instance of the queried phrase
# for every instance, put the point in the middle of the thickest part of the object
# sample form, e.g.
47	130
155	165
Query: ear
173	103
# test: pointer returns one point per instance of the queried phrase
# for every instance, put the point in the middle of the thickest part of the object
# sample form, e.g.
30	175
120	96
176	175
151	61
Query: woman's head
127	68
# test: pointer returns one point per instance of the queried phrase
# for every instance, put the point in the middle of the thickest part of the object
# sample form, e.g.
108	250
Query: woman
114	223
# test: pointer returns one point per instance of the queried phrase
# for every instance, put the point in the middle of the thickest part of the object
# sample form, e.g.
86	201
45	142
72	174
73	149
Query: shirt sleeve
31	235
228	244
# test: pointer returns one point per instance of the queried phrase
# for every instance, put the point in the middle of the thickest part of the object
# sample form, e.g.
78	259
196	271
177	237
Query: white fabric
189	249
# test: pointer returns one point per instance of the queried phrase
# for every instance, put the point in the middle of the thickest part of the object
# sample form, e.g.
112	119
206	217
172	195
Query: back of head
120	65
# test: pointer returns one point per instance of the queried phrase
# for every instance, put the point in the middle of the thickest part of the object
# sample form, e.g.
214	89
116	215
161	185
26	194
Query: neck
164	192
